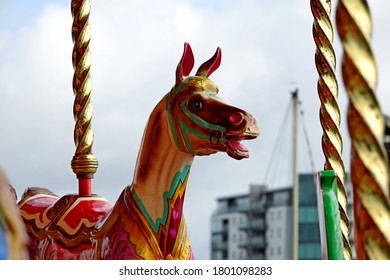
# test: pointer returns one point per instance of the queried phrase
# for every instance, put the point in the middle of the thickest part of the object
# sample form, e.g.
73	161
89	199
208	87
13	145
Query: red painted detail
91	210
187	60
118	246
217	61
174	224
57	252
237	145
85	187
235	118
38	205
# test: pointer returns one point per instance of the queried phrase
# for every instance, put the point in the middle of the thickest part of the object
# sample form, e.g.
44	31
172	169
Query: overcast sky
267	51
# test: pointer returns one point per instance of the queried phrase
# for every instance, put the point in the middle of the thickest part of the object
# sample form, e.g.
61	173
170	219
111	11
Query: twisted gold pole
84	163
332	144
369	163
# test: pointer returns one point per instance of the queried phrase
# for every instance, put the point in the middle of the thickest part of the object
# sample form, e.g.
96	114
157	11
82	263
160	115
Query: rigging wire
309	150
276	151
278	155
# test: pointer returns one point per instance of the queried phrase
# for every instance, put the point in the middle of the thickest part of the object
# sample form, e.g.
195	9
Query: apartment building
258	224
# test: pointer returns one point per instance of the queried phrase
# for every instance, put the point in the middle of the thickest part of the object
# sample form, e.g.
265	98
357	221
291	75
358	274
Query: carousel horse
13	237
146	221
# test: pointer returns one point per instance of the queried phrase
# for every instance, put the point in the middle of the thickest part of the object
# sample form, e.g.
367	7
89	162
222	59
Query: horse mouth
235	148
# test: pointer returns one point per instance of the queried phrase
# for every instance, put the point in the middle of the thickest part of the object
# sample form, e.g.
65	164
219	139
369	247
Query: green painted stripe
179	177
187	129
143	209
198	120
177	89
183	128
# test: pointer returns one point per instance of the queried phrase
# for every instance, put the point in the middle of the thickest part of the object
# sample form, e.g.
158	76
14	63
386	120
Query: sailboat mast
295	191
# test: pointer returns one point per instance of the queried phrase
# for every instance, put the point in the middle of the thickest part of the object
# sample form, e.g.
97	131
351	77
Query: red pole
85	186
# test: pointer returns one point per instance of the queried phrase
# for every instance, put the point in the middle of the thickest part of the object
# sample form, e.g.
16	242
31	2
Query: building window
279	251
222	206
308	214
309	251
225	237
216	226
218	255
242	255
270	216
309	233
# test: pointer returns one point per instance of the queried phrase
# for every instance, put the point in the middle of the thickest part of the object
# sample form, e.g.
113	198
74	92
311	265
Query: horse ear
186	63
207	68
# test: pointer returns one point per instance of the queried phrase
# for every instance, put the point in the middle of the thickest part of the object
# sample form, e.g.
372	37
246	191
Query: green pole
329	216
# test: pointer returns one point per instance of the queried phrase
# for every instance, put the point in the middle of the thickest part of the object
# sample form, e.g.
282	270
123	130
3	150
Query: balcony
258	224
244	225
222	245
258	207
232	209
258	242
256	257
219	229
255	242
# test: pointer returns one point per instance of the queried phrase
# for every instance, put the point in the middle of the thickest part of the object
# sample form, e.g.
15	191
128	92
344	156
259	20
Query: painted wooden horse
146	221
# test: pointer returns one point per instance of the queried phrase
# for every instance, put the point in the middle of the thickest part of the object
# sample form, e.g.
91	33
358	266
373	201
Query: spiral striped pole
369	162
84	163
327	87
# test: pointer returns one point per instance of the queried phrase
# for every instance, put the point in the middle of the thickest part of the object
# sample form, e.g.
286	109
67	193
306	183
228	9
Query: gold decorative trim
369	161
332	144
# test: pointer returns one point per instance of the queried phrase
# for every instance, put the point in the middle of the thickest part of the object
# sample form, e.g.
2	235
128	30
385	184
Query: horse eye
197	105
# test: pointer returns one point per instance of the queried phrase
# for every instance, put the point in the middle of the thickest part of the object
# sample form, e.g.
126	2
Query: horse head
200	122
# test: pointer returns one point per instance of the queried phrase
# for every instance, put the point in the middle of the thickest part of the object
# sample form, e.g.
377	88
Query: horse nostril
236	118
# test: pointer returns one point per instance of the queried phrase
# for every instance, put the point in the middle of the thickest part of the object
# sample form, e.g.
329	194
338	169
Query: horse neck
161	171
